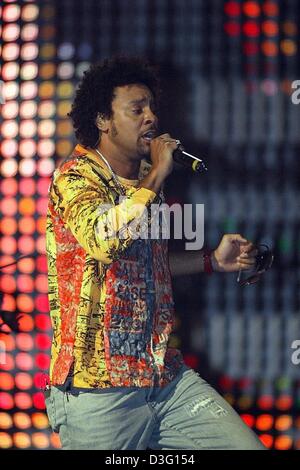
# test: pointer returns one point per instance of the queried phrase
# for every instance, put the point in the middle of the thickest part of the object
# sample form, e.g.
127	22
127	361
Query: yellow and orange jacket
111	301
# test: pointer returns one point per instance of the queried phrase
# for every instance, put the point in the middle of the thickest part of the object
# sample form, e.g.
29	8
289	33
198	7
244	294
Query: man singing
114	381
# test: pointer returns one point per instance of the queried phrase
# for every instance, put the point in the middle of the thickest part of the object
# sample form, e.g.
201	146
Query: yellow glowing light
290	28
29	71
29	12
21	440
40	420
46	90
283	422
46	109
5	440
47	51
46	128
5	421
63	108
65	89
288	47
47	70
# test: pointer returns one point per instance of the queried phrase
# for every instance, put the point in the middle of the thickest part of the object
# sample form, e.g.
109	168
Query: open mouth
148	136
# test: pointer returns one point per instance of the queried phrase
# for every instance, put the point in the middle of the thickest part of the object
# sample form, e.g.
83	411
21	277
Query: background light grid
227	68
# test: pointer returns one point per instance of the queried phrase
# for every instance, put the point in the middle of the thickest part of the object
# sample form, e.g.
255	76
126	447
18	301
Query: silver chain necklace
113	174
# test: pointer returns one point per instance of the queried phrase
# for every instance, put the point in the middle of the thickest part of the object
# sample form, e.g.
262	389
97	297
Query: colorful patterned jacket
111	301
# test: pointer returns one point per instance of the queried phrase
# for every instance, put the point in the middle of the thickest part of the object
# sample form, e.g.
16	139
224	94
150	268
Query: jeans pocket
51	411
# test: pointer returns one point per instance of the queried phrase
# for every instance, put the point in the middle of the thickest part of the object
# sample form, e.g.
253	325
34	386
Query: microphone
189	161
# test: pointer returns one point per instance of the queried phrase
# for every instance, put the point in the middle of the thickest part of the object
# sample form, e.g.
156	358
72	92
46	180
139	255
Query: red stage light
251	9
250	48
42	341
284	402
41	264
232	8
232	28
42	304
41	380
267	440
43	186
39	400
264	422
270	8
265	402
270	28
6	401
251	28
283	442
42	361
6	381
191	360
248	419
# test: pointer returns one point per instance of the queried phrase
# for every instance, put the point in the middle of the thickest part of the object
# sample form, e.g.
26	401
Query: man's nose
150	116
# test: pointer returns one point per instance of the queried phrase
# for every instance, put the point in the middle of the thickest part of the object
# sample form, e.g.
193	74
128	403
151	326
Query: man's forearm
186	262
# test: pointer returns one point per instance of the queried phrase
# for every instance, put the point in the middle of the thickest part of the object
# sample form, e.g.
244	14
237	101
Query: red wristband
208	269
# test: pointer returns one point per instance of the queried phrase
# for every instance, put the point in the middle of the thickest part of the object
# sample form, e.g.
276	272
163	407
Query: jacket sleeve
100	227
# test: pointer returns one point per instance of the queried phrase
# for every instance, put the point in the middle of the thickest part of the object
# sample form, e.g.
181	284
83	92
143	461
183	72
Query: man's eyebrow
142	100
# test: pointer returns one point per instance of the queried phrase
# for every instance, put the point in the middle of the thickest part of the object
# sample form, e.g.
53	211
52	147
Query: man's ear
102	123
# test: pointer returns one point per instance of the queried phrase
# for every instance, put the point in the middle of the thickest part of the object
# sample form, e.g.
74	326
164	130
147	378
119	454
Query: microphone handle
188	162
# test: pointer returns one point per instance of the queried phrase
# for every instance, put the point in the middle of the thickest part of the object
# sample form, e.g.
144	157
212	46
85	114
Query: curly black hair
95	92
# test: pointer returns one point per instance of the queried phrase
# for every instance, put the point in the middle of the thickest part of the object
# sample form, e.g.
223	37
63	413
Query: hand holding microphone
165	150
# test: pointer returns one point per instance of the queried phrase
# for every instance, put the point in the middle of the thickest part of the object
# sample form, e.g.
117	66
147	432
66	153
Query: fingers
236	237
248	247
167	139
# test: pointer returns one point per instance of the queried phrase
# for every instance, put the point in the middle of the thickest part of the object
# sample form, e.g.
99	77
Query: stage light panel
23	380
24	341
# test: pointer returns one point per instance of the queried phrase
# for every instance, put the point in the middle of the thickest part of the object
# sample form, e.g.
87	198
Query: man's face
132	117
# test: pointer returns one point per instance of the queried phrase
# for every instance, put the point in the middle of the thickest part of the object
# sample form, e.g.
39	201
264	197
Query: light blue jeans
186	414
